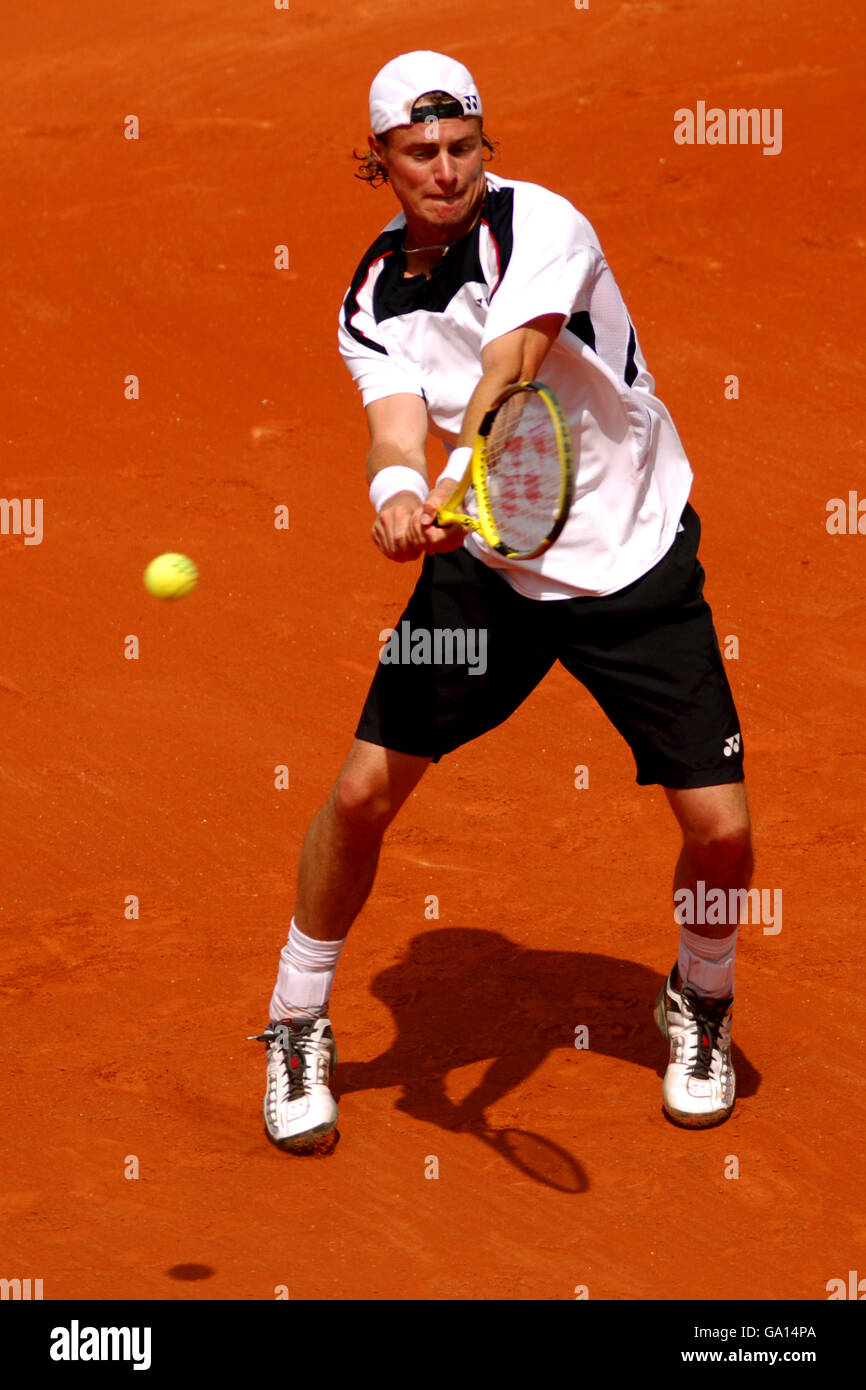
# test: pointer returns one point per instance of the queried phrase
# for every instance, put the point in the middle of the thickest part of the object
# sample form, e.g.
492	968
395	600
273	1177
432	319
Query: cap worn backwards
398	85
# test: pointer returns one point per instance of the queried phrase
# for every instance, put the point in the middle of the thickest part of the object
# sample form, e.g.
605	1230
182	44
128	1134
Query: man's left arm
515	356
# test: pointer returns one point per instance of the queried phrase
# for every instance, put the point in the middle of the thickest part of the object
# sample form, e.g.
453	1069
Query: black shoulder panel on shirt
498	213
394	294
384	245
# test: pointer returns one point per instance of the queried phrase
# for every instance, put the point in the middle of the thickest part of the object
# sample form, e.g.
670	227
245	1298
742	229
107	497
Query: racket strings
524	471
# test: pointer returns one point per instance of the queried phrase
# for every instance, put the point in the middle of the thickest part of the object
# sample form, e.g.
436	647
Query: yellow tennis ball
170	576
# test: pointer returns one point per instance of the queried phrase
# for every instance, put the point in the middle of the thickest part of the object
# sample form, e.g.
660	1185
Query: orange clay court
124	1037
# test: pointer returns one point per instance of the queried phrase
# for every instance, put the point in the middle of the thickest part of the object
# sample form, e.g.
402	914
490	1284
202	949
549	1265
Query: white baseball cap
399	84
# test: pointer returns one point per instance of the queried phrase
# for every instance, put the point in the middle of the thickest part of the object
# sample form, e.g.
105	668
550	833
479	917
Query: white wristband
458	462
389	481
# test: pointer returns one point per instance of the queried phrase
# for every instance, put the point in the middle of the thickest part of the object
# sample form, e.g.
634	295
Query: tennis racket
521	474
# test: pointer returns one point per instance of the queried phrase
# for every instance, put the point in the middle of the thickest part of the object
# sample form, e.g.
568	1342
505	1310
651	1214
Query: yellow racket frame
476	477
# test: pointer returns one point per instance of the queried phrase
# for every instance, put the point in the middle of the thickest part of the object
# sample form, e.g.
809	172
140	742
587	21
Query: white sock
707	963
305	976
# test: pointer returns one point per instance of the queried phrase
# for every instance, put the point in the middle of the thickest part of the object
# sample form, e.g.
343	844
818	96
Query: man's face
436	169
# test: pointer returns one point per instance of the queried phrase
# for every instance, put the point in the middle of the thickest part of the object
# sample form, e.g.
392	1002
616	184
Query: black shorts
648	654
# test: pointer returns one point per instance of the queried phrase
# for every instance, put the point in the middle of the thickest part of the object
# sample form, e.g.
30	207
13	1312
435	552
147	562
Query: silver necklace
410	251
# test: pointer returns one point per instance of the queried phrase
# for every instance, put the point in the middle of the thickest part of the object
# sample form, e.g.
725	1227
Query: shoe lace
709	1015
291	1075
299	1047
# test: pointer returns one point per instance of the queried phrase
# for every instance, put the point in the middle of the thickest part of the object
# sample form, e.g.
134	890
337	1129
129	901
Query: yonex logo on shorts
732	745
438	646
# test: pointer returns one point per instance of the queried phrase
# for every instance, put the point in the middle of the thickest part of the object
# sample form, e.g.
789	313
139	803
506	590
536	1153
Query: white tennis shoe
699	1084
299	1109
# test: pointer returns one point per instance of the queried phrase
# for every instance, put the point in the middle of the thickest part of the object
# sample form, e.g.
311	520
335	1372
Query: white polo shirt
531	253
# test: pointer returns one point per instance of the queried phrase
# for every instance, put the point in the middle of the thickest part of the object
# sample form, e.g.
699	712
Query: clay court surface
155	777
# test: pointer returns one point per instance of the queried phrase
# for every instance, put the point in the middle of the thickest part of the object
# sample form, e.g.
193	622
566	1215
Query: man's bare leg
693	1009
338	865
717	844
341	848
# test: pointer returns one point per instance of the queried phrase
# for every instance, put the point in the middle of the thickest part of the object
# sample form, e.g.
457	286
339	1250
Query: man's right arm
398	434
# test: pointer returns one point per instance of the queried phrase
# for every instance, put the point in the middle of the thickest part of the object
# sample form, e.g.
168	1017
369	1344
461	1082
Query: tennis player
480	281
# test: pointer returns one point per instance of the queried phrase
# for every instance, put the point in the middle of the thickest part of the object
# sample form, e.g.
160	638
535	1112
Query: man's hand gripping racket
517	490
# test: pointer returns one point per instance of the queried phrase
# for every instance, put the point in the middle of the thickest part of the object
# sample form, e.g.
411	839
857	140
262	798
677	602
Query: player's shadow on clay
460	996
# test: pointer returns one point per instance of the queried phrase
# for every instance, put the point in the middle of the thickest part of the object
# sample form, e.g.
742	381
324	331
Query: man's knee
724	846
373	785
715	826
362	800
